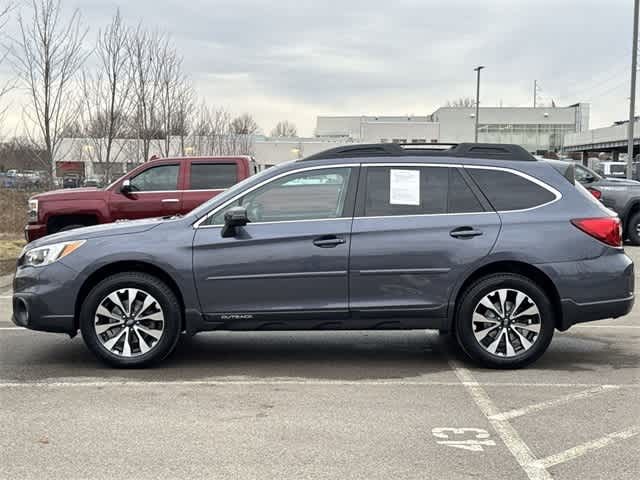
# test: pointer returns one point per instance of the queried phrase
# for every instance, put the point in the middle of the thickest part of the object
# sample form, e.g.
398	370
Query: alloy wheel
129	322
506	322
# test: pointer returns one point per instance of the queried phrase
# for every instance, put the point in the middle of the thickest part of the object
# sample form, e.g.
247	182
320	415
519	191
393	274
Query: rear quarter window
508	191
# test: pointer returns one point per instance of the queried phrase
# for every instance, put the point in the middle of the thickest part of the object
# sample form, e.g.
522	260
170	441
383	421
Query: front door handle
170	200
328	241
465	232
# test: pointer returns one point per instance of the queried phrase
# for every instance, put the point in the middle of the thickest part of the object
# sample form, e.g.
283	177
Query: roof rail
468	150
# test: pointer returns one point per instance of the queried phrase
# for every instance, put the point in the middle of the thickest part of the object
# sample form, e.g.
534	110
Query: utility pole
477	69
632	97
535	92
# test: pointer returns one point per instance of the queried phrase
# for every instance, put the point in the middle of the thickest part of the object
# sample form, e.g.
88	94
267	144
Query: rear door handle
328	241
170	200
465	232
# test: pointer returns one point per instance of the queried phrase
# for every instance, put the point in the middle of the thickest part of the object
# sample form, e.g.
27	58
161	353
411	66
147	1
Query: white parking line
580	450
536	407
285	381
518	448
603	326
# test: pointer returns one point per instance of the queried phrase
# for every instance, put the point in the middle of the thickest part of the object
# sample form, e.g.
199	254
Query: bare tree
145	51
240	139
47	56
183	112
284	128
216	133
8	85
244	125
462	102
106	91
171	81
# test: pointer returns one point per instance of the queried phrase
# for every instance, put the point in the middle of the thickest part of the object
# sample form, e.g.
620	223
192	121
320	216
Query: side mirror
126	187
234	217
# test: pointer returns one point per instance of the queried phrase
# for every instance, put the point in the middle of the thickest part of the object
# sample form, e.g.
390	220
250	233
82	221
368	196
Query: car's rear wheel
504	321
131	320
633	229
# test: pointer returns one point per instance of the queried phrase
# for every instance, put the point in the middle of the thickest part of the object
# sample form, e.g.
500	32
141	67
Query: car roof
489	151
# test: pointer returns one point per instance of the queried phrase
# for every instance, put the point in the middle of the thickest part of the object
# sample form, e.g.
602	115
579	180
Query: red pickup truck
161	187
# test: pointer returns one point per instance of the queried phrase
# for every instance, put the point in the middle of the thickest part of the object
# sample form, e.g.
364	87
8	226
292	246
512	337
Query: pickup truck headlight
33	210
40	256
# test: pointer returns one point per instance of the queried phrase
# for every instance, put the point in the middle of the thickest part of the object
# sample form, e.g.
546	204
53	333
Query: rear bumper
34	231
573	312
593	289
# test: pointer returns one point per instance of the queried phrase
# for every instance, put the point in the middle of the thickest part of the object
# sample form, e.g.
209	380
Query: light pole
632	97
477	69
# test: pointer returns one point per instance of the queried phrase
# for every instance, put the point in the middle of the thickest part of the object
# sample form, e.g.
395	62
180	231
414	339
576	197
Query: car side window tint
162	177
461	197
211	176
406	190
508	191
314	194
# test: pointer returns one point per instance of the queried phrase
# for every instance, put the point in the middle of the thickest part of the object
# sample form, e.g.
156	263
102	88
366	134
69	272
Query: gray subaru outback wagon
481	241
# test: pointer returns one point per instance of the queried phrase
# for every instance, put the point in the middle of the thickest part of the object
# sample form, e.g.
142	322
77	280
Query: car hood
87	193
125	227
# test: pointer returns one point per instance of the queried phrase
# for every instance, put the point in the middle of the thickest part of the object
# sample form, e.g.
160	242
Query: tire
495	340
69	227
632	229
150	325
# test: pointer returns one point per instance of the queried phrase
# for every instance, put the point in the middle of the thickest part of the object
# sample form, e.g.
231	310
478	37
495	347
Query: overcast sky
298	59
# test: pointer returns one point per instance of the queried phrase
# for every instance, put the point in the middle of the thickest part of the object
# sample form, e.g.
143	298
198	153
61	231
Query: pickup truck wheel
633	229
131	320
504	321
70	227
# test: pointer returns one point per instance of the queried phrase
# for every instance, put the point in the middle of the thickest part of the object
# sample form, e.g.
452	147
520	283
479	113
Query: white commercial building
536	129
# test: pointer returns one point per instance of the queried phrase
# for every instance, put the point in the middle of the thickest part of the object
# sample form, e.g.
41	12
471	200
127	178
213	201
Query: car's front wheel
131	319
504	321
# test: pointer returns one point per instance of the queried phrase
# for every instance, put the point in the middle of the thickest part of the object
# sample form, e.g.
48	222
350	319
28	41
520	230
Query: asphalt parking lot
370	405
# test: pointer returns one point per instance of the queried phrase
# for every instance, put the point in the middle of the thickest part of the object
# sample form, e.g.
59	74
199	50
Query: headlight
33	210
40	256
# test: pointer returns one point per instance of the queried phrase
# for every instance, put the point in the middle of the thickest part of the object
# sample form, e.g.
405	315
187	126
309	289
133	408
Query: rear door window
461	198
509	191
213	176
406	191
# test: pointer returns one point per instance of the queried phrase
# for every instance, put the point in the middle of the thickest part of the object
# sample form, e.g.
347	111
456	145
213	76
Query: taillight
606	229
595	193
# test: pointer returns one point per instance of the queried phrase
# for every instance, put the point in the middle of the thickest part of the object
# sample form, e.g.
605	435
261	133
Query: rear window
213	176
508	191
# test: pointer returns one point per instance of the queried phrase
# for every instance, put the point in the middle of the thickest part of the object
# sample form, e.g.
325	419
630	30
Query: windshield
230	192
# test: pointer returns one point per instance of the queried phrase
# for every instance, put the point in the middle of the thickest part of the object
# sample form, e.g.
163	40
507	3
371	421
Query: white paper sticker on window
404	187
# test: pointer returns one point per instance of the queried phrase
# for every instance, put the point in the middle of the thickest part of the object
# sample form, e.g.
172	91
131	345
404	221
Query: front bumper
44	298
34	231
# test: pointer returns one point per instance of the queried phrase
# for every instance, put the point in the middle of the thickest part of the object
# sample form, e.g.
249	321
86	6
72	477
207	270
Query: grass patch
10	247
